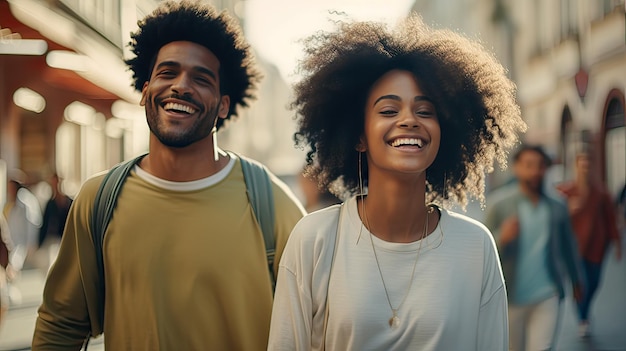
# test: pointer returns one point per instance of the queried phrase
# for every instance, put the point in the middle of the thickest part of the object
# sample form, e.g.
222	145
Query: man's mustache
185	98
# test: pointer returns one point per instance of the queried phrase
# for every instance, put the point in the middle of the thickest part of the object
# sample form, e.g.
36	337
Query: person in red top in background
5	248
595	224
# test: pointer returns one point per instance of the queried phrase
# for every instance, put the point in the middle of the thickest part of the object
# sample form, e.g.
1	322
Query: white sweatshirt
457	300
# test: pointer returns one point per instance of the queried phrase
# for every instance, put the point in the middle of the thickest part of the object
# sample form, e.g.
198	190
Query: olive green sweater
185	270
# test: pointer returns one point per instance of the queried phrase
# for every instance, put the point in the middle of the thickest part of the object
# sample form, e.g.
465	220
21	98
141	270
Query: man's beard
535	186
201	127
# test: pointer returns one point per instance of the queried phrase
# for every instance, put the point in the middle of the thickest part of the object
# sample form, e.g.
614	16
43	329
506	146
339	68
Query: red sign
582	80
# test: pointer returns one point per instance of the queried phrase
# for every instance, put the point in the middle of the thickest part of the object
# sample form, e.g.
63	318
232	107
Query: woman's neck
396	215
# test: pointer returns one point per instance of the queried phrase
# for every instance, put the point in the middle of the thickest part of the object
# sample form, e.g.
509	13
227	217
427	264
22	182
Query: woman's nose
408	119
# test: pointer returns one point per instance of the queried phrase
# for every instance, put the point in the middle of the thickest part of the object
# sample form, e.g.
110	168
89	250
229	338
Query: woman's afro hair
197	22
475	101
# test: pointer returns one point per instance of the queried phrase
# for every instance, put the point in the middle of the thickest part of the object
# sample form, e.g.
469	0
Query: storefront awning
105	78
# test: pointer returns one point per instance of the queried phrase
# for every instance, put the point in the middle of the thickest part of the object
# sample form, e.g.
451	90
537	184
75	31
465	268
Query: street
17	330
608	315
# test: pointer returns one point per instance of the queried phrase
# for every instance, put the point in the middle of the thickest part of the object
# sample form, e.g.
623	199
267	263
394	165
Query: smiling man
185	264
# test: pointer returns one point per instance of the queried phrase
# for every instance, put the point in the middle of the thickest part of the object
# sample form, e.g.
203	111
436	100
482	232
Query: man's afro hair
197	22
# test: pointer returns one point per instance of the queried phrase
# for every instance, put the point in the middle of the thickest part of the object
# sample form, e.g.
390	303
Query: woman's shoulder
463	223
313	236
319	220
468	232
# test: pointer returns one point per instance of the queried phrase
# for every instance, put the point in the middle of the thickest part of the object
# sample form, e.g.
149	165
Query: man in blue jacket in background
537	249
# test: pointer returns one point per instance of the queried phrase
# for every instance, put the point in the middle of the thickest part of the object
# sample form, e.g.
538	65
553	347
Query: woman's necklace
394	321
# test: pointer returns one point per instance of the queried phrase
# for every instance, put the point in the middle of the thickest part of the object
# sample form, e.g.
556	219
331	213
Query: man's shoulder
556	203
283	195
503	194
89	188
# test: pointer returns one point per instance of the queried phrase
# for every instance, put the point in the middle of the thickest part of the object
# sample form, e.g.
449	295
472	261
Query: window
103	15
569	18
539	25
615	146
568	144
80	145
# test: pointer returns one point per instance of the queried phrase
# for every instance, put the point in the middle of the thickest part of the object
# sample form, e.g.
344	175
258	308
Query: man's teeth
408	141
178	107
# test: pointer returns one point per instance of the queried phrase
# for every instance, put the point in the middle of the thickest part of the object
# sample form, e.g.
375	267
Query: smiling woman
396	122
402	132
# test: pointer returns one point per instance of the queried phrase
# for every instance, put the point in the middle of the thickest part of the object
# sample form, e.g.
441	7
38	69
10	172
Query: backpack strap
258	189
103	207
261	198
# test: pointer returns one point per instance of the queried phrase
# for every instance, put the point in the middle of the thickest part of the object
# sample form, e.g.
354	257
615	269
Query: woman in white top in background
396	120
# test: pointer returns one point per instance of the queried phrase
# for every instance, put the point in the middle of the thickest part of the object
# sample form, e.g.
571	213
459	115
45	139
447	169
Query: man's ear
142	102
224	106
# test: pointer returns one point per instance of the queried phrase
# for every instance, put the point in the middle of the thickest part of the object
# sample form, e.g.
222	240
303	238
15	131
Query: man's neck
184	164
532	194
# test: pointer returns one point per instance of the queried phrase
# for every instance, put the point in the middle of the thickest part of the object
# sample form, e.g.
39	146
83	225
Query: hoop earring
444	200
361	192
445	190
216	154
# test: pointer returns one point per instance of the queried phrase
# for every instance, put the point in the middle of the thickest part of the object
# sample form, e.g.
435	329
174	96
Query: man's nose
182	84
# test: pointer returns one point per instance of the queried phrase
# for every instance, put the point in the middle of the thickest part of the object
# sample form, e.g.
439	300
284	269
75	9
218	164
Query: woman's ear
360	147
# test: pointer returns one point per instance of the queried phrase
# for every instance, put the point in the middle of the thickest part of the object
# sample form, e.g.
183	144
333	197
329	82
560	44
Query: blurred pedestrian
5	244
595	225
535	239
23	215
621	209
54	217
396	120
314	197
184	258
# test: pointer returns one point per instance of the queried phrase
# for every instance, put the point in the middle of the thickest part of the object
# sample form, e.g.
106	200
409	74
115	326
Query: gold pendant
394	321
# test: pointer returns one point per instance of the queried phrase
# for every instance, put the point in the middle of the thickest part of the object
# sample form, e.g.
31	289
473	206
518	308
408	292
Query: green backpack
258	188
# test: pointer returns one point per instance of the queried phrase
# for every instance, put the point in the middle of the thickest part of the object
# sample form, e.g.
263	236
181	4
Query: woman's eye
426	113
388	112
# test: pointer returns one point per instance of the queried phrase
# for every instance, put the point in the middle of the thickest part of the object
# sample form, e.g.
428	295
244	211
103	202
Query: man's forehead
187	50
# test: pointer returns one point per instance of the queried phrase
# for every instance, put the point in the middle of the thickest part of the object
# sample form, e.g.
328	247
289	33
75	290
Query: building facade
571	64
66	101
568	59
67	107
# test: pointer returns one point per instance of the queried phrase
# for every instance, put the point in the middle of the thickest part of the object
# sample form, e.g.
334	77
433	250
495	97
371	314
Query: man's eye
203	80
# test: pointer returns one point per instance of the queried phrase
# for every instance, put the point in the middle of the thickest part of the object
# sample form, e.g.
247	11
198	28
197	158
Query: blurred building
571	74
479	20
264	131
66	101
568	59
